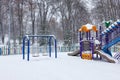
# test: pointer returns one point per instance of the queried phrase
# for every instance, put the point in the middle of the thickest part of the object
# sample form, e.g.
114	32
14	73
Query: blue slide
113	42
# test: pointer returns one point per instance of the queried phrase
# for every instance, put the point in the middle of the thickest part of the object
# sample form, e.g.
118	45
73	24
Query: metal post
80	45
100	35
23	48
96	34
55	48
119	28
106	37
87	35
80	34
49	46
81	49
28	54
92	46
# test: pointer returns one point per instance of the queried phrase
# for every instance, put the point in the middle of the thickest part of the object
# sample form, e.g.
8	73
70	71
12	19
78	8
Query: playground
59	39
95	58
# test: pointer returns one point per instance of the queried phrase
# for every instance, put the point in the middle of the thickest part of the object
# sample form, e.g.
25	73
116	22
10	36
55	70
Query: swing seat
35	55
44	54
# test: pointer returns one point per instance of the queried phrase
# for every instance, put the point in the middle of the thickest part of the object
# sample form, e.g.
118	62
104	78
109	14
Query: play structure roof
88	27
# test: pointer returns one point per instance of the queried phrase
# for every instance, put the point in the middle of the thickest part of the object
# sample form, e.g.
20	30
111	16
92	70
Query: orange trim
94	28
85	29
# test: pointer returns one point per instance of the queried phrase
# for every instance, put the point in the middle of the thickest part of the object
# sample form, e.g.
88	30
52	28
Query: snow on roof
107	29
89	26
115	23
103	32
110	27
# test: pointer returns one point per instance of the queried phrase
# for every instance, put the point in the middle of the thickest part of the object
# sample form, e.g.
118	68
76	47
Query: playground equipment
26	38
87	43
108	37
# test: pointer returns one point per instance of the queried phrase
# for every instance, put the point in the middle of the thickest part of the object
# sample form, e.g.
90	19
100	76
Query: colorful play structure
106	38
26	39
87	42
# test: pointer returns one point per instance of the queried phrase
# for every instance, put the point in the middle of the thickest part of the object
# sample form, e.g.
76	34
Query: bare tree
106	10
1	24
73	15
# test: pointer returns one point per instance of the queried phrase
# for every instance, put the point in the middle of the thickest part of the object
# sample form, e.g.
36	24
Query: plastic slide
113	42
105	56
75	53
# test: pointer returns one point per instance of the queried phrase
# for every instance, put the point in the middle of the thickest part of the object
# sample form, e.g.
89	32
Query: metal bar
41	36
28	54
97	35
80	45
55	48
23	48
92	46
50	47
80	34
87	35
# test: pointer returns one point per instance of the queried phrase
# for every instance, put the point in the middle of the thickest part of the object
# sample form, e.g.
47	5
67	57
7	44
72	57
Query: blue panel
118	23
107	51
113	26
113	42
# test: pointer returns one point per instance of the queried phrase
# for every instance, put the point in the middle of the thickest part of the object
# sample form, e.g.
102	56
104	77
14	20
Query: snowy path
63	68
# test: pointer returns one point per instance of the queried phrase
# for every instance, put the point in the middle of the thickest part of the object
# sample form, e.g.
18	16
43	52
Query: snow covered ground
63	68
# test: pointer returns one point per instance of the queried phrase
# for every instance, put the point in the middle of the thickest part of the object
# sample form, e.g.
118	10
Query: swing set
26	39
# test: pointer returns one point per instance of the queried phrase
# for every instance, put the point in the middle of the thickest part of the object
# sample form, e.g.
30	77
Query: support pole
23	48
92	46
87	35
55	48
50	47
81	49
80	44
80	34
100	35
28	54
96	34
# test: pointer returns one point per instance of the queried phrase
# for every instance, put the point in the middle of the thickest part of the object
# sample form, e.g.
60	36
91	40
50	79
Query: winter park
59	39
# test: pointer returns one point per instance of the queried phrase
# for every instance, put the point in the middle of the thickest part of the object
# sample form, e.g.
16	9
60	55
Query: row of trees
105	10
61	18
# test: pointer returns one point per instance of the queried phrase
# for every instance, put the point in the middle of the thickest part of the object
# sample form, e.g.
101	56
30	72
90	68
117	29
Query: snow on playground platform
63	68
